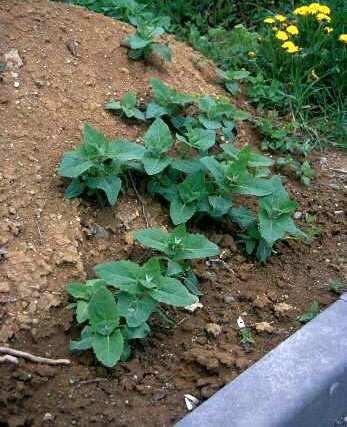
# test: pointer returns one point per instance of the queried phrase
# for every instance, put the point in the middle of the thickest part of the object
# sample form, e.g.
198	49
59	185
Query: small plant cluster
143	43
280	139
203	176
116	308
306	51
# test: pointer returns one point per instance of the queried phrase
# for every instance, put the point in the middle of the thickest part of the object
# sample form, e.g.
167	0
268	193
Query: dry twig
32	358
139	199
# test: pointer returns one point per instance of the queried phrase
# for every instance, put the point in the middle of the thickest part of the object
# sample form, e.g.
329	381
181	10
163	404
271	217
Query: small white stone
16	84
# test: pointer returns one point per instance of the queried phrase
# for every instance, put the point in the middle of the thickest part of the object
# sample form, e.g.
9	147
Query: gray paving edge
301	383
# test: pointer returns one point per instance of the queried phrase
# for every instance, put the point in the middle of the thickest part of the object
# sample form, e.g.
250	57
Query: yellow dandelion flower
322	17
281	35
280	18
290	47
302	11
313	8
328	29
343	38
269	20
293	30
324	9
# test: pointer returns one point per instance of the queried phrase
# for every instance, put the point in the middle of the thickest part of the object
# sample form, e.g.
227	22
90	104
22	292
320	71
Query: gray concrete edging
301	383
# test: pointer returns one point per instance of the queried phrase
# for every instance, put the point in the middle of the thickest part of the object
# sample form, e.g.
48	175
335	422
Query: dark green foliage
95	168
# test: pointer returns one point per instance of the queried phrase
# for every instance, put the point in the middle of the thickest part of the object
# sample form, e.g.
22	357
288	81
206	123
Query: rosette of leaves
166	101
179	248
116	308
273	222
127	106
95	168
158	141
231	79
142	44
198	138
215	114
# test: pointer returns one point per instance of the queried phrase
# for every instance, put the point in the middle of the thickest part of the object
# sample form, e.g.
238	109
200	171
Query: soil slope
72	63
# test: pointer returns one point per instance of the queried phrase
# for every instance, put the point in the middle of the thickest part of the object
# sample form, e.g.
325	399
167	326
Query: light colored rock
213	329
13	60
264	327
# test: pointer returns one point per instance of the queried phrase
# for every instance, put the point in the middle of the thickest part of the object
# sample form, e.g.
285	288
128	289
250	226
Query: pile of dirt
63	64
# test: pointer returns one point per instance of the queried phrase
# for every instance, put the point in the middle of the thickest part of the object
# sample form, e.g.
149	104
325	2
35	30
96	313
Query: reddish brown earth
47	241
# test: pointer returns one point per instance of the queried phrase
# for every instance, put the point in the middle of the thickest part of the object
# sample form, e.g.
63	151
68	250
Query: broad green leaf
220	205
85	342
200	139
128	100
155	110
242	216
191	283
110	185
124	150
214	168
162	50
187	166
73	165
95	142
78	290
103	313
120	274
209	123
196	246
172	292
137	42
75	188
181	212
273	229
108	349
166	96
173	268
254	187
113	105
135	310
193	188
139	332
153	238
154	165
82	313
263	251
158	138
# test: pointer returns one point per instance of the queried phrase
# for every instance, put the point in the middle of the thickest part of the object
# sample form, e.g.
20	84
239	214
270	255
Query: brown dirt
47	241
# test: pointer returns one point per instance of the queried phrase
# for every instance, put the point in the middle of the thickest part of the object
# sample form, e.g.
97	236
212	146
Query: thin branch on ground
139	199
10	359
91	381
32	358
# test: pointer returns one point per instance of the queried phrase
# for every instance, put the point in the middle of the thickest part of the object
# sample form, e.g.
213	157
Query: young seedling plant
142	44
117	307
127	106
179	248
95	168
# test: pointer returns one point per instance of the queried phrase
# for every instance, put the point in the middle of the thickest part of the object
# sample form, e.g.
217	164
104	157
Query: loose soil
47	241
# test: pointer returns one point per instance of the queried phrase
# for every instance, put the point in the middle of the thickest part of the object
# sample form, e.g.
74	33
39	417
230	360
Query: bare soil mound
70	63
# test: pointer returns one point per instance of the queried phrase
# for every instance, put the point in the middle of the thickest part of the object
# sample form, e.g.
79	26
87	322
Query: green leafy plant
142	44
116	308
337	286
231	79
217	114
179	248
166	100
310	314
127	105
158	141
198	138
246	337
95	168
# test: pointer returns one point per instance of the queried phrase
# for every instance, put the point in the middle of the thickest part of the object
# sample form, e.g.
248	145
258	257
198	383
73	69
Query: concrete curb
301	383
